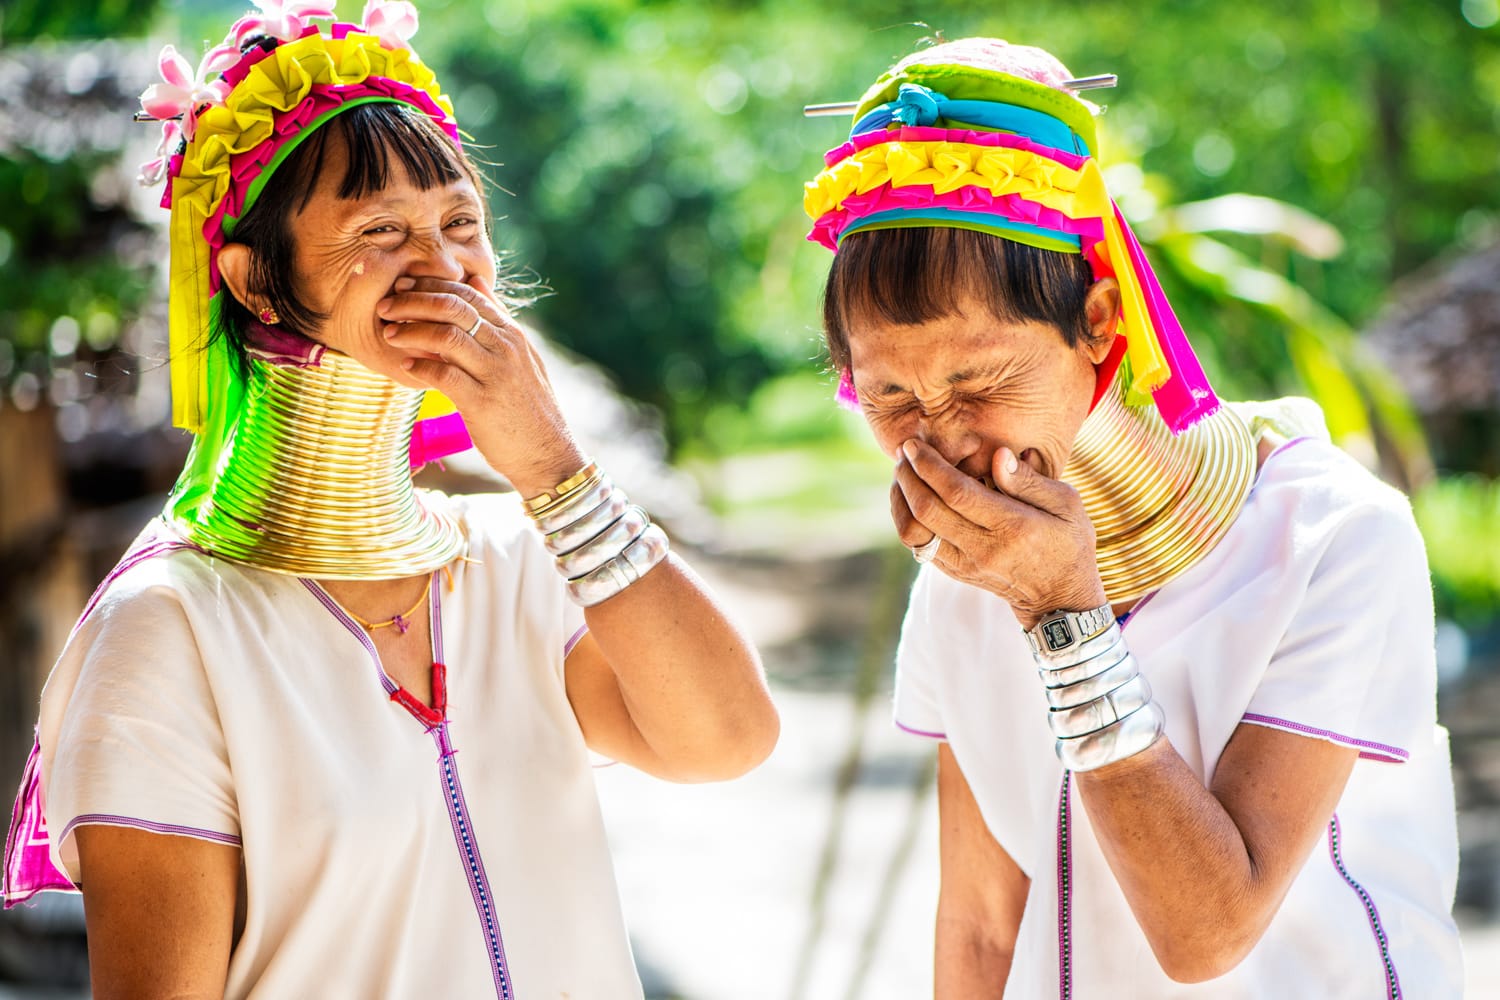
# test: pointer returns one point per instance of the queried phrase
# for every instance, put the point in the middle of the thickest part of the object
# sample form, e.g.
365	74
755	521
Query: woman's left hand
1028	541
493	375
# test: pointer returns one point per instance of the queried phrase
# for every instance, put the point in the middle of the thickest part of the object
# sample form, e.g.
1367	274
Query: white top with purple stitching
1313	616
382	857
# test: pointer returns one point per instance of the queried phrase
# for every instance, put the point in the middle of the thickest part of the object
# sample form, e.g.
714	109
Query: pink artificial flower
392	21
283	20
152	171
185	90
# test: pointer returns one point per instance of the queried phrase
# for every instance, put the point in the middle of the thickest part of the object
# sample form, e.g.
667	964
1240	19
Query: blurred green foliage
23	20
1460	519
70	254
56	259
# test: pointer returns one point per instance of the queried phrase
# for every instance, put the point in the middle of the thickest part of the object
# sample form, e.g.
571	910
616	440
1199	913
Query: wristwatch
1061	631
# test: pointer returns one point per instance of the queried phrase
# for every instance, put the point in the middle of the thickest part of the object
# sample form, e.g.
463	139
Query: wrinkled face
350	251
967	384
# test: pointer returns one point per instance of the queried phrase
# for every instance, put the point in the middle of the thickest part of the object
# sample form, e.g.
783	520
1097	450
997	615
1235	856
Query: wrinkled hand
1028	541
495	378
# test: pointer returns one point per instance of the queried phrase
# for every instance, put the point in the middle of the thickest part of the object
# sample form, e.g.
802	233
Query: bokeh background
1318	184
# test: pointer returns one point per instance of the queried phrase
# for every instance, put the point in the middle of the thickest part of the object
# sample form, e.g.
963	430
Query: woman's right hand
1028	541
494	376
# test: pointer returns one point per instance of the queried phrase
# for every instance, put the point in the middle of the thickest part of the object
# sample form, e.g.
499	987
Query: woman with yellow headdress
1177	656
321	734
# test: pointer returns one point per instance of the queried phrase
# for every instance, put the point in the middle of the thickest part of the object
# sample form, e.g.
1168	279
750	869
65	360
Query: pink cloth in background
28	858
439	437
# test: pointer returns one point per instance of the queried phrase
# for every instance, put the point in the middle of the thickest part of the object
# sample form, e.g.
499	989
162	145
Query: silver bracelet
589	525
1086	650
605	546
575	507
1101	713
1093	687
621	571
1113	744
1079	672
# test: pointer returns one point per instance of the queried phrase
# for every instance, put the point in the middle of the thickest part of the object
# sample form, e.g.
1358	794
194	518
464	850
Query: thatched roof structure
1441	335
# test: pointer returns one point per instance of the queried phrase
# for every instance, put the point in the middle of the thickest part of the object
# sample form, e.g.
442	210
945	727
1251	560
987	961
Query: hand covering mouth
1038	463
1031	457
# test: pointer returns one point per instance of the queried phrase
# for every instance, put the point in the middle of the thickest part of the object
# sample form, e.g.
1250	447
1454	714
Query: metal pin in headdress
838	109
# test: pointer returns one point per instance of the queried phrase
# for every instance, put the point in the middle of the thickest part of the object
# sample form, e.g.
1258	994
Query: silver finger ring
475	328
927	552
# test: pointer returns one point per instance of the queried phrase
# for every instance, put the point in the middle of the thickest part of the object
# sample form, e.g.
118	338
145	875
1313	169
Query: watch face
1058	635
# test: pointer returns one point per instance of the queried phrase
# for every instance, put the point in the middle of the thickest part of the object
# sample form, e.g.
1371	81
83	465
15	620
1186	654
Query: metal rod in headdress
842	108
839	109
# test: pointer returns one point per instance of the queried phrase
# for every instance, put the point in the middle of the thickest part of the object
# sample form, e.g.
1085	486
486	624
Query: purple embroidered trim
1287	445
130	561
1392	980
453	792
1129	616
583	630
479	882
353	628
1284	446
1064	891
458	815
919	732
172	829
1368	750
1065	861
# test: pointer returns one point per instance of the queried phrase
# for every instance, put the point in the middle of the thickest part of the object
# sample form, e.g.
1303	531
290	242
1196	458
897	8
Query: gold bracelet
568	505
537	506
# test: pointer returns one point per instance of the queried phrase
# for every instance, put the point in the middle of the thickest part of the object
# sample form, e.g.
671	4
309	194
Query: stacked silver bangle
603	542
1100	705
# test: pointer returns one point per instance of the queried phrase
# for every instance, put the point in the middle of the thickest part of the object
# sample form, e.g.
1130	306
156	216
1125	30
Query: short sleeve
130	729
1356	664
916	704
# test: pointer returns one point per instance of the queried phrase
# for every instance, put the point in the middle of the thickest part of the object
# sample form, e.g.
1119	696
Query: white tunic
382	857
1314	616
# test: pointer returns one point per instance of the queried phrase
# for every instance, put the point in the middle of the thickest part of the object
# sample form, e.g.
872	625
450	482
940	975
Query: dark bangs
381	138
911	276
378	133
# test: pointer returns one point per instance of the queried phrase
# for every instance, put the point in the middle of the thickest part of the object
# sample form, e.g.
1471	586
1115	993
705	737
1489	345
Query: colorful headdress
222	138
964	146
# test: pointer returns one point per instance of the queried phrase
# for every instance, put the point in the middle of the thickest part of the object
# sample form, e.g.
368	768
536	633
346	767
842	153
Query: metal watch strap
1062	630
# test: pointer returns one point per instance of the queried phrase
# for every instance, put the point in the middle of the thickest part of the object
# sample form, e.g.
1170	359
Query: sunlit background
1320	191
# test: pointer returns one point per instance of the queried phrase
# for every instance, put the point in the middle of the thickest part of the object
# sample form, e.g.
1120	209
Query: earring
268	316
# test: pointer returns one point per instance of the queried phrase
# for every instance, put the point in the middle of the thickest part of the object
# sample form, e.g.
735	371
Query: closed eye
888	404
985	394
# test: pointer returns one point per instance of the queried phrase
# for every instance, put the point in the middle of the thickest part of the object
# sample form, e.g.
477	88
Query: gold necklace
1159	502
401	621
316	480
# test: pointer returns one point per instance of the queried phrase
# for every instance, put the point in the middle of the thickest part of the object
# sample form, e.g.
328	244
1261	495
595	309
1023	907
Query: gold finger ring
927	552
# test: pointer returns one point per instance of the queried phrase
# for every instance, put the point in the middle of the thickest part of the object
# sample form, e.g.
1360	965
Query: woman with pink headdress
1176	654
320	733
